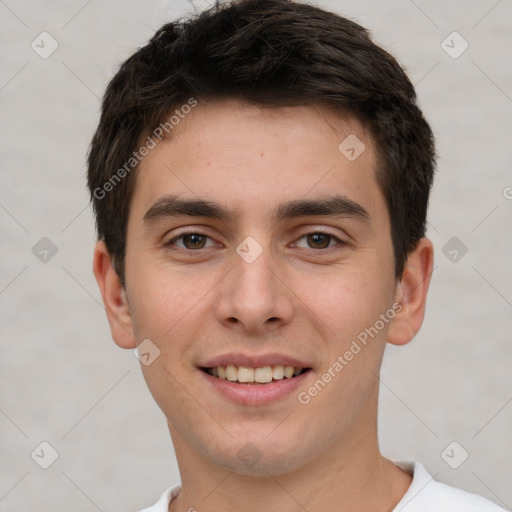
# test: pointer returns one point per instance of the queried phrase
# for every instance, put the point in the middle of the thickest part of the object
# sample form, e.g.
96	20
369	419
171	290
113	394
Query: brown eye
194	241
319	240
189	241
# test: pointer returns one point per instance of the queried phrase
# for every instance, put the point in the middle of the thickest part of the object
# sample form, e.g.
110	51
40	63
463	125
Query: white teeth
260	375
288	372
231	373
245	374
278	372
263	375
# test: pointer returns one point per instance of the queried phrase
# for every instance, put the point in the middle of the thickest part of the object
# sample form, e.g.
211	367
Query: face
254	245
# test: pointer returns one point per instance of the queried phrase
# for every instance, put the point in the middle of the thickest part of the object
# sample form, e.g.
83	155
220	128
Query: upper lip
253	361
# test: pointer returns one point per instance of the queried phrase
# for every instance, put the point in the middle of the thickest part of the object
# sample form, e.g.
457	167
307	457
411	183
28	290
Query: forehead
255	157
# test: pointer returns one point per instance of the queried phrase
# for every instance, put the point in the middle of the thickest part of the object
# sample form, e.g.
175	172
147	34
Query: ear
114	298
411	293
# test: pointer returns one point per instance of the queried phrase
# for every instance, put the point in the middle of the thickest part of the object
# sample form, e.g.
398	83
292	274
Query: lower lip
256	394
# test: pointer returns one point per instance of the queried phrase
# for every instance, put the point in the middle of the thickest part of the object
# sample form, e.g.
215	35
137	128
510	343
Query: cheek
351	305
164	313
157	295
170	308
350	300
155	309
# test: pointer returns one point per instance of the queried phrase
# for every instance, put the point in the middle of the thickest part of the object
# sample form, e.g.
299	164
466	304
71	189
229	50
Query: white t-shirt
424	495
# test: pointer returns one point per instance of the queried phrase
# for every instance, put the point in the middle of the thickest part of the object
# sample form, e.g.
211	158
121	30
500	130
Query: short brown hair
270	53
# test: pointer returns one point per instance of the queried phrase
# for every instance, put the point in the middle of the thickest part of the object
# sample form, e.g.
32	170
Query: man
260	177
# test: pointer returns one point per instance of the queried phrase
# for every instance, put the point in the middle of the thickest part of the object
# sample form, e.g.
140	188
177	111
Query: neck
350	475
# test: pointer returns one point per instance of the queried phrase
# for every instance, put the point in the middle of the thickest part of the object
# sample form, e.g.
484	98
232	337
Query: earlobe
114	298
411	294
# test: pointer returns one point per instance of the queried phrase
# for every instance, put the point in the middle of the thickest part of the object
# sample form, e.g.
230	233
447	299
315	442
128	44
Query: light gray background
65	382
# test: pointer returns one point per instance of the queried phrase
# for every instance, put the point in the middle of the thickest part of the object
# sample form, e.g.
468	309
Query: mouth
254	376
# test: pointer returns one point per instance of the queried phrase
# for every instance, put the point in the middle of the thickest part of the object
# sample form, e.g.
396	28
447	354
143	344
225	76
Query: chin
261	458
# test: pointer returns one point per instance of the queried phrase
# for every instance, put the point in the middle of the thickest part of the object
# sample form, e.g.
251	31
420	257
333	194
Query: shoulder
426	494
162	505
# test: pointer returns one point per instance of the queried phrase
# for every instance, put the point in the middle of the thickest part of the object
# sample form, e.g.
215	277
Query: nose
254	296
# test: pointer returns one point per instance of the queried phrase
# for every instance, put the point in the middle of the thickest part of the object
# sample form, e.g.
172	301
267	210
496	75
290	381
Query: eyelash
307	251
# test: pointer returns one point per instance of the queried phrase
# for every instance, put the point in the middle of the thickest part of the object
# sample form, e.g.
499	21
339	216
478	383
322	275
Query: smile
260	375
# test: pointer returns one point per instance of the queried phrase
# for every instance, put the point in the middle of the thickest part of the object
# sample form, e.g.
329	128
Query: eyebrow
171	206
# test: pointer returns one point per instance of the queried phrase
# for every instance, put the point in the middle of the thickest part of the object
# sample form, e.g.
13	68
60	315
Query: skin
297	298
